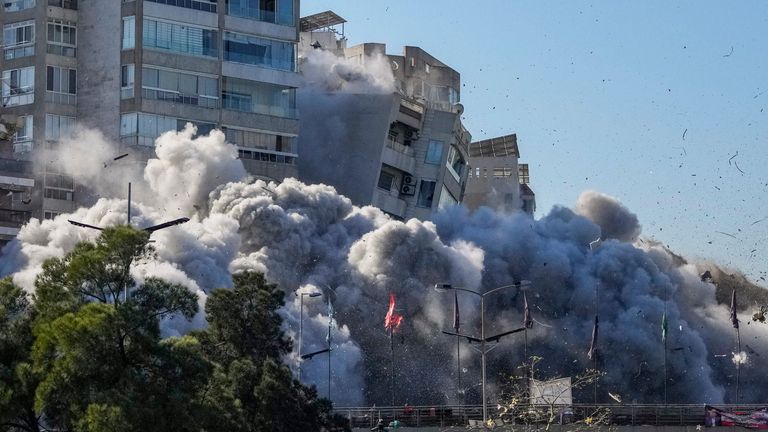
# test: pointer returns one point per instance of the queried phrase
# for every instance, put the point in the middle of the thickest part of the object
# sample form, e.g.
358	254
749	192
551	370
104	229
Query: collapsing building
496	179
402	149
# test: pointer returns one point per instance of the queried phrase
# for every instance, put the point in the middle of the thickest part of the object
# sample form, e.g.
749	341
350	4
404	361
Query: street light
443	287
329	349
301	320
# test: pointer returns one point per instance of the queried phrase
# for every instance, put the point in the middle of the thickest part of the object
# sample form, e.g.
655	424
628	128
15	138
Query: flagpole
735	322
665	348
738	365
330	321
392	353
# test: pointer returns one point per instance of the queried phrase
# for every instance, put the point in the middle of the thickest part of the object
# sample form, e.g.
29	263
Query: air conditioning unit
409	180
407	189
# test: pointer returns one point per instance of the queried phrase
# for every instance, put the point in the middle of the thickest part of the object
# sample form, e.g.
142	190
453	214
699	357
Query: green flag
664	327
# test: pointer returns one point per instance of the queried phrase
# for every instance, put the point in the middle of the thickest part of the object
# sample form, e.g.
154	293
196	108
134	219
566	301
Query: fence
461	415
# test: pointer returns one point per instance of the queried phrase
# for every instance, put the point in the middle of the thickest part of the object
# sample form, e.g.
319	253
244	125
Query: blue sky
661	105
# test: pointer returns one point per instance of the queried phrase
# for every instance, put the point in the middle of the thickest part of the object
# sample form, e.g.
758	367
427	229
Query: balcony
389	202
399	156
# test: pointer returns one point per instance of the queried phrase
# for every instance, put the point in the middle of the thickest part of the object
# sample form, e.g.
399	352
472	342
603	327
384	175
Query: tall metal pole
129	224
482	355
592	246
665	349
392	354
301	327
738	366
458	369
129	203
330	320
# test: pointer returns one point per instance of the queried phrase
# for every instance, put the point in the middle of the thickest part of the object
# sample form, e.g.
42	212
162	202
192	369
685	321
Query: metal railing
462	415
400	148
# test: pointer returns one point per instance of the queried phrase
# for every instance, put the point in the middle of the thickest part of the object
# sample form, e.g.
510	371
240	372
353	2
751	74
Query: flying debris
312	354
615	397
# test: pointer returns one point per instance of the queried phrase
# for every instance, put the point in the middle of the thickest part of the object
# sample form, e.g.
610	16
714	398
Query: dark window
385	180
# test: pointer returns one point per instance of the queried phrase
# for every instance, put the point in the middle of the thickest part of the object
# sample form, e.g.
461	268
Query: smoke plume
309	238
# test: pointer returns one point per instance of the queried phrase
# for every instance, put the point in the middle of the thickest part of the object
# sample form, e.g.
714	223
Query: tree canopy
86	352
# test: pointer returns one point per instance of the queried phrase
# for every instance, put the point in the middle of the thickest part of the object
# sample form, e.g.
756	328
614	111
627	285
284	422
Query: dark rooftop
495	147
320	20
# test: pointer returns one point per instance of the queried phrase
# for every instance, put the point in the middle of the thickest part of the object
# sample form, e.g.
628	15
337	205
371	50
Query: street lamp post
483	340
301	320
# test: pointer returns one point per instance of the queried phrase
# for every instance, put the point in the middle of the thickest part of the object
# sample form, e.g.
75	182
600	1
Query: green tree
245	339
17	379
96	350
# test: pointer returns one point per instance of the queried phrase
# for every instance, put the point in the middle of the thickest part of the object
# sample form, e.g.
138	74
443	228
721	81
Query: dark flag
734	318
456	323
527	320
593	346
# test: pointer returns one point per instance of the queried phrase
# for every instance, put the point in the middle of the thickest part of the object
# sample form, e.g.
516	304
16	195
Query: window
18	86
18	5
180	87
50	214
455	163
266	156
61	85
446	199
66	4
59	194
19	39
201	5
60	181
257	97
426	193
129	32
180	38
385	181
502	172
143	129
257	51
523	175
260	140
62	38
273	11
57	127
434	153
25	130
126	81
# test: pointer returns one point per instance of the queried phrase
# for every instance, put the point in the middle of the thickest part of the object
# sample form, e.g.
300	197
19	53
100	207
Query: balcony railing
61	98
14	217
400	148
17	5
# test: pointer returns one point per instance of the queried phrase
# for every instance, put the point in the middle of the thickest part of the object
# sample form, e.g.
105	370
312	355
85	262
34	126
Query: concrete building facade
405	152
135	69
497	179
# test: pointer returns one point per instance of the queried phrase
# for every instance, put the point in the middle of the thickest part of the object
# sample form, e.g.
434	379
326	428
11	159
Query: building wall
381	160
487	188
342	140
100	101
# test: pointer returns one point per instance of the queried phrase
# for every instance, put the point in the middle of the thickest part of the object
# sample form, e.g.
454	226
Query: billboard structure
552	392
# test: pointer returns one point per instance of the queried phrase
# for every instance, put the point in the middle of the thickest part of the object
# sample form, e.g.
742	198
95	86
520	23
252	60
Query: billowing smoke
308	238
615	220
325	72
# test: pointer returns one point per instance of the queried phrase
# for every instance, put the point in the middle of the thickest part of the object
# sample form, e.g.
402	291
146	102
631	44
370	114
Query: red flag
392	320
456	323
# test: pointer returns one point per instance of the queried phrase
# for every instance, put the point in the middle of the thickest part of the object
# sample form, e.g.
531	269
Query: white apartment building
135	69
